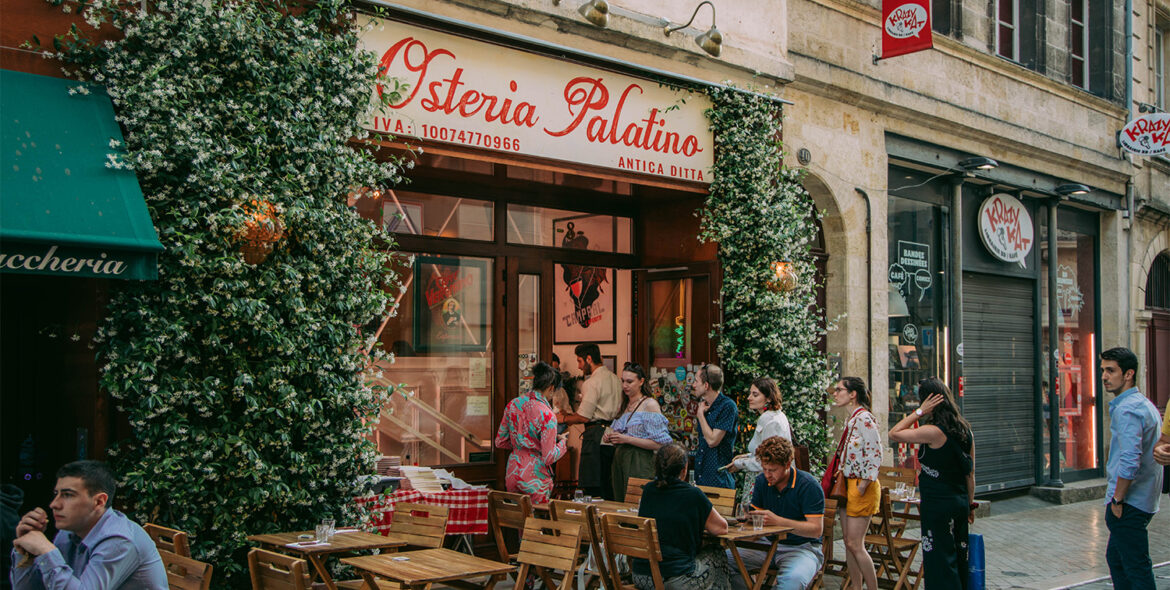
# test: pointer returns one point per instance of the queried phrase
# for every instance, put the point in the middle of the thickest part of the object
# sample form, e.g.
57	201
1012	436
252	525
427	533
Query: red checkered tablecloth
468	508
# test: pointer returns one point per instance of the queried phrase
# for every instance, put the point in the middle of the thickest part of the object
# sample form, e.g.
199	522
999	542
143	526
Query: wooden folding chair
168	539
632	536
893	555
184	573
273	571
420	525
586	516
890	477
832	566
507	511
723	500
549	545
634	490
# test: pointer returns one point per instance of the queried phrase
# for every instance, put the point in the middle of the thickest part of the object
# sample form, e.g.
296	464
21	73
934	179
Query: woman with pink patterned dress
529	430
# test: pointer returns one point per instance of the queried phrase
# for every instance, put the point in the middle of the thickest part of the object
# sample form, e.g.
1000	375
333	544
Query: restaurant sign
1006	228
480	95
1146	136
19	257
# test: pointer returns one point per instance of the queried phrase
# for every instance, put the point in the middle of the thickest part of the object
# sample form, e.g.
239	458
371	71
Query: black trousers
594	473
944	542
1128	551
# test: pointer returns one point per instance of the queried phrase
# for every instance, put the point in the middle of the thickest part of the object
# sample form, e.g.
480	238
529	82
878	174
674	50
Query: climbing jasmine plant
241	369
759	213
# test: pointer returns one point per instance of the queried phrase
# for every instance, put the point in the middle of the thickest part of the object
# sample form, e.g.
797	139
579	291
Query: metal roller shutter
999	367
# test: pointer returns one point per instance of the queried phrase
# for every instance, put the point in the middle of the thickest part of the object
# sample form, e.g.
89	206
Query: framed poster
450	304
586	232
610	362
583	304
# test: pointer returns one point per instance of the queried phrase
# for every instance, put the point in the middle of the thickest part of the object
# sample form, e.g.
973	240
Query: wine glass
741	513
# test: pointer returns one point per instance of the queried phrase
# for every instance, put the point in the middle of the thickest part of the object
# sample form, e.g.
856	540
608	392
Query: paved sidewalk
1033	545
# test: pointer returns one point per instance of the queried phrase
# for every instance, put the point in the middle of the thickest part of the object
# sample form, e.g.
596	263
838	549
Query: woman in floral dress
860	456
529	430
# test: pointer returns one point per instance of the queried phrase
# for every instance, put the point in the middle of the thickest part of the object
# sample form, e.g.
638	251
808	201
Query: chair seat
899	542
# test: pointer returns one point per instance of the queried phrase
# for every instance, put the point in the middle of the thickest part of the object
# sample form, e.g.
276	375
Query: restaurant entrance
505	264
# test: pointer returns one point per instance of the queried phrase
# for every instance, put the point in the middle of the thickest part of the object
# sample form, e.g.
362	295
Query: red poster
905	27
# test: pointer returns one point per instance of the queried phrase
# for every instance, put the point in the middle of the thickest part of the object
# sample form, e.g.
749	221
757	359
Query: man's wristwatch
1115	501
918	411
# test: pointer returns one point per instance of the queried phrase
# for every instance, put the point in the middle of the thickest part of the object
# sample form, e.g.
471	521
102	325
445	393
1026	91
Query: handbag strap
845	434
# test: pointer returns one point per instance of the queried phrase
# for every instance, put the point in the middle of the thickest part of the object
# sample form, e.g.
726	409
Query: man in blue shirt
1135	480
718	424
96	547
789	497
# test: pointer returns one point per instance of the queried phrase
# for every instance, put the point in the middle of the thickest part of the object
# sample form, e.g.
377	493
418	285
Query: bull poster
450	304
584	304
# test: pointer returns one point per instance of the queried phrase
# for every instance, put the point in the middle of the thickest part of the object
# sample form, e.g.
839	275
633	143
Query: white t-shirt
601	395
771	423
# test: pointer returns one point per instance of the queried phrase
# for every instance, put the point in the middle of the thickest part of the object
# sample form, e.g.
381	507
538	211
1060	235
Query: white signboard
481	95
1147	136
1006	228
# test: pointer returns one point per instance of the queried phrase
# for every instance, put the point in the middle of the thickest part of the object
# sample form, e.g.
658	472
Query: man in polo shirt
789	497
96	547
718	424
601	402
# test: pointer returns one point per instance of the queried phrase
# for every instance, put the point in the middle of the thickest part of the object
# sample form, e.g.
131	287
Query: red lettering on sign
999	214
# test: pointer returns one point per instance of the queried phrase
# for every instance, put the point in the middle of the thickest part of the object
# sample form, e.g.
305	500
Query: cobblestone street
1039	546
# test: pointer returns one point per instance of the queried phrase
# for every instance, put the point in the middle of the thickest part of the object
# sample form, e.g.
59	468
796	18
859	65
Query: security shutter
998	371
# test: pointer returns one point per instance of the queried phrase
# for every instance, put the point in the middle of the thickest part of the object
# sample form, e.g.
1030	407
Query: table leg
763	575
319	564
747	577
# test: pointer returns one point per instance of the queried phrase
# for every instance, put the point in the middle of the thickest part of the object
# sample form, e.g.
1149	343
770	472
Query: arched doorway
1158	330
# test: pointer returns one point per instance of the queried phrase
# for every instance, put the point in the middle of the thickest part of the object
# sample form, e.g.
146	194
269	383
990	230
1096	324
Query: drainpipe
1127	257
1129	58
956	271
868	283
1054	352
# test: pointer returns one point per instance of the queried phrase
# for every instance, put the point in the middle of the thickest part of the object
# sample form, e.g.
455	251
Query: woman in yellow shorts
861	456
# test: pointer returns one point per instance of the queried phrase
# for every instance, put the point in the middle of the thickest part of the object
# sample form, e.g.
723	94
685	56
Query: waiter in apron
601	402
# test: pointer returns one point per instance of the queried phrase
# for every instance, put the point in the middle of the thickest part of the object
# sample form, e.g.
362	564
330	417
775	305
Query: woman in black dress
946	451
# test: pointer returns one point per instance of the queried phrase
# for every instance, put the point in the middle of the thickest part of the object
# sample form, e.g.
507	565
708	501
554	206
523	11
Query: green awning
62	211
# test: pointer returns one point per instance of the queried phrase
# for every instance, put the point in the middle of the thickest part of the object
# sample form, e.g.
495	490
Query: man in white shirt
601	402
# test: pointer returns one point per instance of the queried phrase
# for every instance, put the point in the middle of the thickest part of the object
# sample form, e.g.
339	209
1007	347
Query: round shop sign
1006	228
907	20
1147	136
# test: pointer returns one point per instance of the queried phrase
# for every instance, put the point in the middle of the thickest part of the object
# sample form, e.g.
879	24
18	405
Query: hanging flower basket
262	230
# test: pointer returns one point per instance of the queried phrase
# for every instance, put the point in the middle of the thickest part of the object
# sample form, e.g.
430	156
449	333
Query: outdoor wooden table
315	553
420	569
734	536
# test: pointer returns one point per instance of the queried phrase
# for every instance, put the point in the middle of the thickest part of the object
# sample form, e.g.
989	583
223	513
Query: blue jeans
1128	551
796	565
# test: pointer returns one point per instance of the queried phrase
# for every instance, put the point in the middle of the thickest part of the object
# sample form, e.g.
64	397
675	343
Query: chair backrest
891	476
168	539
800	456
507	510
184	573
885	511
273	571
580	513
634	489
421	525
831	566
723	499
632	536
550	544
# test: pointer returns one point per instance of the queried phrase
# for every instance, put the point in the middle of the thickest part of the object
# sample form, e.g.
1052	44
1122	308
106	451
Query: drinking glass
322	533
329	522
741	514
757	522
578	495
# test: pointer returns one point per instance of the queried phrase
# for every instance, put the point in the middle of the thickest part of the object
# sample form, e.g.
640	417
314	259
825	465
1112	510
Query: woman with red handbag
859	455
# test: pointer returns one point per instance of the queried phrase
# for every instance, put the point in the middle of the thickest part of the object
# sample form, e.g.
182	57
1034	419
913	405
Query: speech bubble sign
922	280
1146	136
907	20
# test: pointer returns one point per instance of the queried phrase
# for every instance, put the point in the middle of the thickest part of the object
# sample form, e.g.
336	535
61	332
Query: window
1007	32
1160	51
940	16
1078	42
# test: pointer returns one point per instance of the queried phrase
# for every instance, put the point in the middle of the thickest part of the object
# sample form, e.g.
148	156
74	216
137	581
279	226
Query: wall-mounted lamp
977	163
596	12
783	277
712	40
1072	188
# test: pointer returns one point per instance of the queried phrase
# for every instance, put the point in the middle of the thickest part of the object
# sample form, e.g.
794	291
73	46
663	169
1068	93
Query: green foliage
759	213
243	383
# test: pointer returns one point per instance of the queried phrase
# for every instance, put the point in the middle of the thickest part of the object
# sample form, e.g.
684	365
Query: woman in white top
763	397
